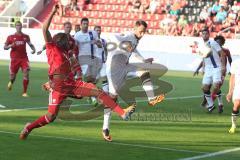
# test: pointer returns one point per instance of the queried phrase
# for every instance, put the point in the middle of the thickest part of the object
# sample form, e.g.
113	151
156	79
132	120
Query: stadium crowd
222	15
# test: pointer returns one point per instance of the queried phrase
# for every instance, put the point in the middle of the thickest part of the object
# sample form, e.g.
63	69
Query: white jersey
118	44
235	69
214	60
84	42
100	53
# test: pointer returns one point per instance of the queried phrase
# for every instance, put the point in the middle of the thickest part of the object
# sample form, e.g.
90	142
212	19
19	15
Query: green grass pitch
175	129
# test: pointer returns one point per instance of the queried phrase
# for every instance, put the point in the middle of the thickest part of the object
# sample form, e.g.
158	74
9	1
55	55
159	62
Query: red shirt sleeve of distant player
9	40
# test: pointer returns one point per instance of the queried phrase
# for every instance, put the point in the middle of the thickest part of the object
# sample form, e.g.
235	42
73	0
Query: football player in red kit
63	83
19	59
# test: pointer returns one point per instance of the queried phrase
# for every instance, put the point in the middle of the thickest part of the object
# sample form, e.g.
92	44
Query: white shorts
117	71
236	93
212	76
90	67
102	72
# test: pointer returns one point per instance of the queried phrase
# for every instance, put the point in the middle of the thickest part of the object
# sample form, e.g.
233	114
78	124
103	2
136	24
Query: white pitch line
212	154
76	105
115	143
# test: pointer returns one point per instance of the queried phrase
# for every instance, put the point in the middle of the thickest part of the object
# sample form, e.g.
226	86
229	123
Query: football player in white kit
234	93
118	66
214	69
88	43
102	55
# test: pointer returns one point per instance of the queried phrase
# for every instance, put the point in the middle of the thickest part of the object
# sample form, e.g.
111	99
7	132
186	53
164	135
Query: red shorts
70	89
15	64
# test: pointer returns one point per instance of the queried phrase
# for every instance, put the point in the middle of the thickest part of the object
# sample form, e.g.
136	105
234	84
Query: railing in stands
8	21
227	29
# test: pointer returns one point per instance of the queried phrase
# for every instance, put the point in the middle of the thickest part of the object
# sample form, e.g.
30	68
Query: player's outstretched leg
89	89
40	122
106	117
148	88
106	125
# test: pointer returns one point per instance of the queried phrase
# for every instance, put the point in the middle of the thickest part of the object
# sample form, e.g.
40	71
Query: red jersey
73	46
19	48
58	60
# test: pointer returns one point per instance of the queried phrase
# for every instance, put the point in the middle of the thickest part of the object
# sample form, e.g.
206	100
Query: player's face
18	27
98	30
205	35
219	42
67	28
84	26
140	31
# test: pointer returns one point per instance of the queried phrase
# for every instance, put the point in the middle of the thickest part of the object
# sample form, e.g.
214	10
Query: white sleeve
95	35
216	46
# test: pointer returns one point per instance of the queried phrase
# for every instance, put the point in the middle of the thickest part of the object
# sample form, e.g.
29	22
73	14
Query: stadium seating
115	15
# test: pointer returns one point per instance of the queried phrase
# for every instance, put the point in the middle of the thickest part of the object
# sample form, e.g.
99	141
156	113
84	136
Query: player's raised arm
46	34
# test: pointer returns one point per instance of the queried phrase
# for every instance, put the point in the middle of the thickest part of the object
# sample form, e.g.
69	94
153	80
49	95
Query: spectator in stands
82	4
153	6
230	21
136	4
235	7
144	5
204	14
63	6
73	5
221	16
167	6
187	30
195	30
230	2
182	21
166	23
215	8
175	9
232	17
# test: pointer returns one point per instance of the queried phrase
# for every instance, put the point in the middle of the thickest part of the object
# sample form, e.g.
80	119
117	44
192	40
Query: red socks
42	121
109	102
25	85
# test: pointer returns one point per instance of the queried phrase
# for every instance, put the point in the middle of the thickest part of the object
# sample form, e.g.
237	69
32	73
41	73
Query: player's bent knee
236	104
145	75
51	117
205	88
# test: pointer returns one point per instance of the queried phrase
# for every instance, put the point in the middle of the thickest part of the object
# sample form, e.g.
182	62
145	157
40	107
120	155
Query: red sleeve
9	40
